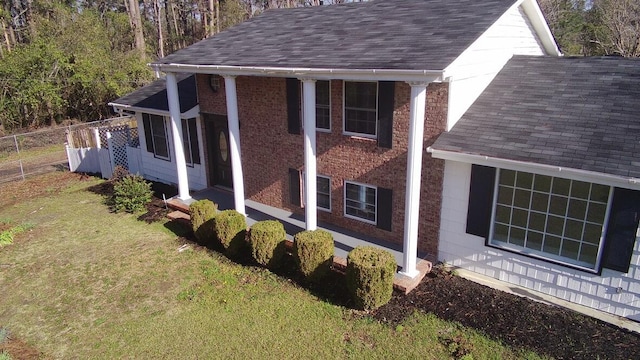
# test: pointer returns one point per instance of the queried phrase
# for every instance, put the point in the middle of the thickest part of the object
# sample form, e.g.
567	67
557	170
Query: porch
344	239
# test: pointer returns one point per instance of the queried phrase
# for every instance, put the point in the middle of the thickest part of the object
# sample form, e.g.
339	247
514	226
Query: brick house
383	81
379	81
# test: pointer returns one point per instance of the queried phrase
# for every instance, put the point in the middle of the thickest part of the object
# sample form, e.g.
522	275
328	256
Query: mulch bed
514	320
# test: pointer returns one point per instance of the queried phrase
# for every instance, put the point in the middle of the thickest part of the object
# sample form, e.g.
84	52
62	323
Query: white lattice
118	147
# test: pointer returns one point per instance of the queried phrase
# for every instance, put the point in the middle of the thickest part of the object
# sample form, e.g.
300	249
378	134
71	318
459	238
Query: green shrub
313	251
202	214
131	194
267	243
369	276
230	228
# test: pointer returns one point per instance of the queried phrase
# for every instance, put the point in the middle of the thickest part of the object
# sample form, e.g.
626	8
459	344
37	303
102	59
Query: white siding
476	67
165	171
469	252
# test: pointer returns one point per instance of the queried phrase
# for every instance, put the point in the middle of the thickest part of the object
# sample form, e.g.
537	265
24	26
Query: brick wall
268	151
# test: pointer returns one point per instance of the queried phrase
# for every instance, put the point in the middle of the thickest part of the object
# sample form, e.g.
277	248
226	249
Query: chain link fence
33	153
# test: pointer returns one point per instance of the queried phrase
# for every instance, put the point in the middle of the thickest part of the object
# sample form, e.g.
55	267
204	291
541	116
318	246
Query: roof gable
578	113
379	34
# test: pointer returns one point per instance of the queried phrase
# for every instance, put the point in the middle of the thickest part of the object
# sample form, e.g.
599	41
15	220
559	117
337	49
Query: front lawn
87	283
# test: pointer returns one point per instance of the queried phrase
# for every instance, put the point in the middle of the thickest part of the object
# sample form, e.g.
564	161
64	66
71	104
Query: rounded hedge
313	252
267	239
230	228
202	214
369	276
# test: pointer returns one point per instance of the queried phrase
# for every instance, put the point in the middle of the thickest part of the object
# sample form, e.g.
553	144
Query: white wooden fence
109	145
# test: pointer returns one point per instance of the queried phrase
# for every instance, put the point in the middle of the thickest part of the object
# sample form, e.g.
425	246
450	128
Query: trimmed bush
313	251
202	214
369	276
230	228
267	243
131	194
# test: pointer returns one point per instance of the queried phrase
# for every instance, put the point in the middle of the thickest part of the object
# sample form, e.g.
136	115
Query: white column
309	116
176	131
234	143
414	176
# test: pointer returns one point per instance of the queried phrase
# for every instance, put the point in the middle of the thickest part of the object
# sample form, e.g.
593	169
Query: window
323	105
156	135
557	219
190	141
360	202
324	192
361	108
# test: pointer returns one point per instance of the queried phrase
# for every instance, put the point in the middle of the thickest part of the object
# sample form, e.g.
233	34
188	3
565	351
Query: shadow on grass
331	289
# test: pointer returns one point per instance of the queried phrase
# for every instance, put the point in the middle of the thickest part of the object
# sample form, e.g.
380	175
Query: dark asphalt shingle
579	113
379	34
154	95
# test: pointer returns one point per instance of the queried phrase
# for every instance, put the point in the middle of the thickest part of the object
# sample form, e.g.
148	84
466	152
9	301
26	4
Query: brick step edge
178	205
180	216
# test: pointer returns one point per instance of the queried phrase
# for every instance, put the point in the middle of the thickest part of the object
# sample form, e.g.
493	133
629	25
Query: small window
361	108
324	192
360	202
557	219
156	135
190	141
323	105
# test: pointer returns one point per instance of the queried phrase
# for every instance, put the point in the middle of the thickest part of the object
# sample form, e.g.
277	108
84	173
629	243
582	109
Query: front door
217	133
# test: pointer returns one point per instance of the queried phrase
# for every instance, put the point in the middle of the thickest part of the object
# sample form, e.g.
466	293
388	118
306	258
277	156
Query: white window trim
344	111
167	133
543	255
344	209
302	187
322	130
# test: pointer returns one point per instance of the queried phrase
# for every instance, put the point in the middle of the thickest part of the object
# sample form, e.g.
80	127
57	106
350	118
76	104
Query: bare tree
619	32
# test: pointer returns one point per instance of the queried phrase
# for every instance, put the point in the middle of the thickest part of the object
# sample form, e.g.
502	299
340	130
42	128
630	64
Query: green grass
86	283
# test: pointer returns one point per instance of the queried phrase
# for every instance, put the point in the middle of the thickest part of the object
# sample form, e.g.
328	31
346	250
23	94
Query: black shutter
621	229
146	123
386	102
294	187
193	136
480	200
385	208
293	105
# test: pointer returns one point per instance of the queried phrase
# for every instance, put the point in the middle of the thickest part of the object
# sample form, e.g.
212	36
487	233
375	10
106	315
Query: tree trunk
136	24
212	17
160	36
217	7
6	36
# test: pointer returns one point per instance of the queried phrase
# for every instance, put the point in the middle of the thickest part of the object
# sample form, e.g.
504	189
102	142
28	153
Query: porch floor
344	239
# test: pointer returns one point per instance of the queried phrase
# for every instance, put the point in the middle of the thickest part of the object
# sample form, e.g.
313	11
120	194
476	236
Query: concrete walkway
345	240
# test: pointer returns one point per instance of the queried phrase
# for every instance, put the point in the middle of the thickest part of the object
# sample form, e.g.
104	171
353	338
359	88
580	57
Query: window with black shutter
293	106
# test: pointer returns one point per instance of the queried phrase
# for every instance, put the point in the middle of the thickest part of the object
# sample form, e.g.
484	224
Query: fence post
15	140
96	133
111	155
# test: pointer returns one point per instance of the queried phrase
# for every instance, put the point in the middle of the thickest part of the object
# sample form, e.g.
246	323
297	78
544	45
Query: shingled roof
379	34
579	113
154	95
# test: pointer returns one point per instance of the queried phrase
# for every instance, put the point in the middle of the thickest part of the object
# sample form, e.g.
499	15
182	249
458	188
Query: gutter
550	170
320	74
